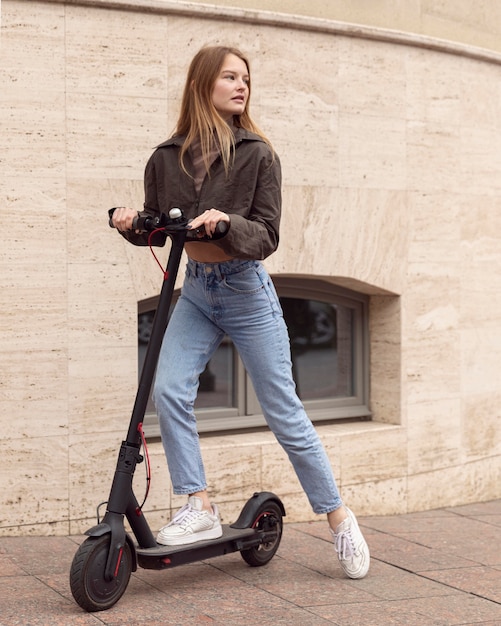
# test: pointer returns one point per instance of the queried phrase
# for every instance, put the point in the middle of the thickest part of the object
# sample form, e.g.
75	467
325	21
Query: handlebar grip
199	234
221	229
140	222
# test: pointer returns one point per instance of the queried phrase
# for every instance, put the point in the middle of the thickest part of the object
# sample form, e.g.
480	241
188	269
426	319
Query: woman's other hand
123	218
209	220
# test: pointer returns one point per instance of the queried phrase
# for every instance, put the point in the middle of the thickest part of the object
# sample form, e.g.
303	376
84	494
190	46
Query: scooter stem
158	329
122	500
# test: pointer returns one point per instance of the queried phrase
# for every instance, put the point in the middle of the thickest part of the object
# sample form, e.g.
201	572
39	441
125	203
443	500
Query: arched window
328	329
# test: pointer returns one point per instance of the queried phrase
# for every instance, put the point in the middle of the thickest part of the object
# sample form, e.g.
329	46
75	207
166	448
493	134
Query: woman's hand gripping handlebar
209	226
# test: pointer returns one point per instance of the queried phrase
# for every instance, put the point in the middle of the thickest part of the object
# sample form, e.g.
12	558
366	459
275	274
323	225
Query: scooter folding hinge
128	457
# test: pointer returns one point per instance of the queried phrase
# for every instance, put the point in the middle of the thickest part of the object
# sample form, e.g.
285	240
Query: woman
219	166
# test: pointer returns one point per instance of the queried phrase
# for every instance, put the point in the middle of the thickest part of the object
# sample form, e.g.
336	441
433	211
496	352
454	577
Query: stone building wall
390	145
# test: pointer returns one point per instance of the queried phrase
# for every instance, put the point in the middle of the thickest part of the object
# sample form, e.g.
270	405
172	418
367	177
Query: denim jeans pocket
246	282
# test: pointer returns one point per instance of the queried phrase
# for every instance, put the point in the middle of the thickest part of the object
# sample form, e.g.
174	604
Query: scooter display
103	563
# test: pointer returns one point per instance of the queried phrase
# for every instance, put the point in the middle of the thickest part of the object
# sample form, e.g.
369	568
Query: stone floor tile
40	555
484	582
476	542
478	508
411	556
387	582
451	610
411	522
27	601
299	585
9	568
371	614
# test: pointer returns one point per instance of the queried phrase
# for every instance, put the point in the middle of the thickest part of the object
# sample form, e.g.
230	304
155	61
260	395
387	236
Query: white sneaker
190	524
351	547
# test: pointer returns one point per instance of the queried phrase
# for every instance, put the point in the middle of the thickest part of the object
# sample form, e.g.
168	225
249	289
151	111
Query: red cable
148	465
150	237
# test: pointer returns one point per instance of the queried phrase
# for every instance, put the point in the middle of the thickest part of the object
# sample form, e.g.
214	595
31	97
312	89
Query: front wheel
88	584
268	519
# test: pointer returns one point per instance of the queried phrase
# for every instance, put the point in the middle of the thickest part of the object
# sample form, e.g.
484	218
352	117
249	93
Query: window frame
247	412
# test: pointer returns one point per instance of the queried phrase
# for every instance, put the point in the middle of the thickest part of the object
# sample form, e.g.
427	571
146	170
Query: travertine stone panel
106	140
480	95
35	486
33	133
458	484
33	310
374	455
116	58
34	403
91	462
385	497
480	222
433	88
434	434
354	234
115	320
231	472
431	367
317	89
481	425
318	136
386	360
373	151
438	220
100	394
480	165
313	98
357	91
481	352
32	52
433	158
481	286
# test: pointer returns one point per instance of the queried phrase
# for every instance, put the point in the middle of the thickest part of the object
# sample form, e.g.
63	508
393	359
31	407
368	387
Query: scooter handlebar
173	223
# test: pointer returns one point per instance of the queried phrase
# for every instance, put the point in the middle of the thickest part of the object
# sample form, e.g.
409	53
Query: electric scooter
103	563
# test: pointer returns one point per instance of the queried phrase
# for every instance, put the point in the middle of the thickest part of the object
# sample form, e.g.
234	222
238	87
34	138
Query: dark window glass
321	336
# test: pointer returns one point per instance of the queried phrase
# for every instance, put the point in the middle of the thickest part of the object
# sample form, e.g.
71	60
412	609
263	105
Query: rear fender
249	513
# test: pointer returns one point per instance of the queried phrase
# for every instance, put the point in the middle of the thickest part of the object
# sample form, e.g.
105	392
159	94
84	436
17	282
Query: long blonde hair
199	118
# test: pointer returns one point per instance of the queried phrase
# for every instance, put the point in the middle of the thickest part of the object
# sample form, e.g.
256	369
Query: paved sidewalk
434	568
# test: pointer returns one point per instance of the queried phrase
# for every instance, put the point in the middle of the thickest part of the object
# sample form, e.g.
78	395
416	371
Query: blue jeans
236	298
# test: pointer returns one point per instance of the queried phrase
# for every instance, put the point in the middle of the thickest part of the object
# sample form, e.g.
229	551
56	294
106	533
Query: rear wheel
268	519
88	584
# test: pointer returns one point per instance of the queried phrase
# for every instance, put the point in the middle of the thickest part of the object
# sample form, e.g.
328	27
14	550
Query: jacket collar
240	135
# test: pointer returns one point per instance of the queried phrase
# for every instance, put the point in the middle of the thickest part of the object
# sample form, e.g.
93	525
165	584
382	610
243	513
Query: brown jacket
250	194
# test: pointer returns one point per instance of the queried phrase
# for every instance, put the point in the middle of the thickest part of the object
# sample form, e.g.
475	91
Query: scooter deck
232	540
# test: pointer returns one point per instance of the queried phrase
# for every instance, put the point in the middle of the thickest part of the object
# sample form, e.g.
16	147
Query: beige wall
474	23
391	159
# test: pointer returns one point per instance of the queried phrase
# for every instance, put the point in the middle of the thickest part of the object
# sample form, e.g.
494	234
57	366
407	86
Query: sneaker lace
344	544
185	515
